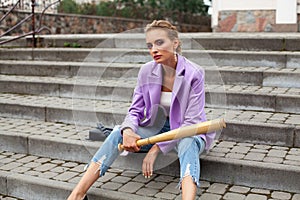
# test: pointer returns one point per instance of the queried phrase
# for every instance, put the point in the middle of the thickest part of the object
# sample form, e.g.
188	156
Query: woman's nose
154	49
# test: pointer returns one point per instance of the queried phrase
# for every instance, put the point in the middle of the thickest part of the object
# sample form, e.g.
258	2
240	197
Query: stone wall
81	24
246	21
252	21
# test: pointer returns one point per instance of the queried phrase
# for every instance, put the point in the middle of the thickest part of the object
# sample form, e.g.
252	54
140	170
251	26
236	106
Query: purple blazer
187	103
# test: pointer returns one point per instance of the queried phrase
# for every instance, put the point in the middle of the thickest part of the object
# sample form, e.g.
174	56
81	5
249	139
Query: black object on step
100	133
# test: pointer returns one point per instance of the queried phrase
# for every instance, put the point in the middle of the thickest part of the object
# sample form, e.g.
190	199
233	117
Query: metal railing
34	30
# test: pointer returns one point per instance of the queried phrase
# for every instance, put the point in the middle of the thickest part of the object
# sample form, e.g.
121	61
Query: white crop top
165	101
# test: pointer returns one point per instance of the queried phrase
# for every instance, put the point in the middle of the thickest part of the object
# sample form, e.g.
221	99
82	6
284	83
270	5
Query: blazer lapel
154	82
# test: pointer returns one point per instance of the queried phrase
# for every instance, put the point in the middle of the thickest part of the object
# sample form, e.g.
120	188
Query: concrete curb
244	172
202	58
35	188
258	174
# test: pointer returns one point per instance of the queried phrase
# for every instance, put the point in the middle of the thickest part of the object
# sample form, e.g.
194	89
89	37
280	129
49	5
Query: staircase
51	97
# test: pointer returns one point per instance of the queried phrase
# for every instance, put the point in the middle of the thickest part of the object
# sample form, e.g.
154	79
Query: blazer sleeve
136	110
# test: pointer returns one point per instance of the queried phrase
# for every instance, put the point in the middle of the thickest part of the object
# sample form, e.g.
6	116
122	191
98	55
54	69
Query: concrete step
210	41
262	76
268	127
114	55
24	176
258	98
55	141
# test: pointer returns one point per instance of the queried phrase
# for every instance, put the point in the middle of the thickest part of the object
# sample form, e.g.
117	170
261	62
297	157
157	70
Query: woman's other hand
129	140
149	161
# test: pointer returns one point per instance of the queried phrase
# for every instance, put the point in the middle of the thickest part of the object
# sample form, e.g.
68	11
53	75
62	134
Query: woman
177	85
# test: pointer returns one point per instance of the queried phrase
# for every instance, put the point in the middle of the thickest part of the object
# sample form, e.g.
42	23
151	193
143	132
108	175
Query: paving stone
42	160
291	162
48	175
17	156
239	189
171	188
296	197
147	192
6	160
27	159
141	179
204	184
76	179
255	156
131	187
32	165
130	173
156	185
233	196
59	169
235	156
111	185
65	176
216	154
217	188
260	191
45	167
273	160
254	150
10	166
32	173
79	168
163	195
221	150
240	149
226	144
121	179
260	146
164	178
277	153
69	164
293	157
208	196
20	169
281	195
107	177
256	197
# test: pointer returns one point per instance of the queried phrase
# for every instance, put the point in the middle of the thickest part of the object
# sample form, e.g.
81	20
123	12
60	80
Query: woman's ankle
76	195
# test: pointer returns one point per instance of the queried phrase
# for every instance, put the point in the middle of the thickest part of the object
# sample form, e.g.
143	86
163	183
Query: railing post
33	23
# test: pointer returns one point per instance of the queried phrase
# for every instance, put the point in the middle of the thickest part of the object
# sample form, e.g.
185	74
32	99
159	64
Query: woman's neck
169	71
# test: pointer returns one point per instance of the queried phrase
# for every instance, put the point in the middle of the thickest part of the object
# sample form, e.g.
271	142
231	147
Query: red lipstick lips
157	57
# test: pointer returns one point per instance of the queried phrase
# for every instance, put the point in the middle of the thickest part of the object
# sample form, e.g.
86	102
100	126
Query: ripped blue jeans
188	151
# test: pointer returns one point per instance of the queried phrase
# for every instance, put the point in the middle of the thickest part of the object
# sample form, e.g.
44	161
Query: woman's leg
101	161
88	179
189	150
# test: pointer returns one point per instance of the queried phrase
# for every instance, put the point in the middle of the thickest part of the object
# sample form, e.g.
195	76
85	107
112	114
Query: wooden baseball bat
187	131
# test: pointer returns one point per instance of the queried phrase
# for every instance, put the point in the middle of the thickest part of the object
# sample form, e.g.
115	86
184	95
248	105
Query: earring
175	56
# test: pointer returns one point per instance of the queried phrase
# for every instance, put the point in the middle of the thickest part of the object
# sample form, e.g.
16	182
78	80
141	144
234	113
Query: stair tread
131	83
226	149
56	172
268	117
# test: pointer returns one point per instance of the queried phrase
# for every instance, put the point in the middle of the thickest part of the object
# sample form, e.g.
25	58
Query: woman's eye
159	42
149	46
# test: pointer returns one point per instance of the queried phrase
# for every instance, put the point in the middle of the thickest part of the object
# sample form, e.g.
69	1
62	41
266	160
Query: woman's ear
176	44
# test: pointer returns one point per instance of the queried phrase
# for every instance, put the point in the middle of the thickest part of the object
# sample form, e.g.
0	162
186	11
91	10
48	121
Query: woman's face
161	47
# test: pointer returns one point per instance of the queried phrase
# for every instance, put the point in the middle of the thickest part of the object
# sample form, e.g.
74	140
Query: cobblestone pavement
122	108
128	181
234	150
131	82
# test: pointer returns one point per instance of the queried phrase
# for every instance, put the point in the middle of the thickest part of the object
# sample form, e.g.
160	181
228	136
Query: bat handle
120	147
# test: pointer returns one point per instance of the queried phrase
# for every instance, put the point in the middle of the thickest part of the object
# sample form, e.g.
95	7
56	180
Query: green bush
180	11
